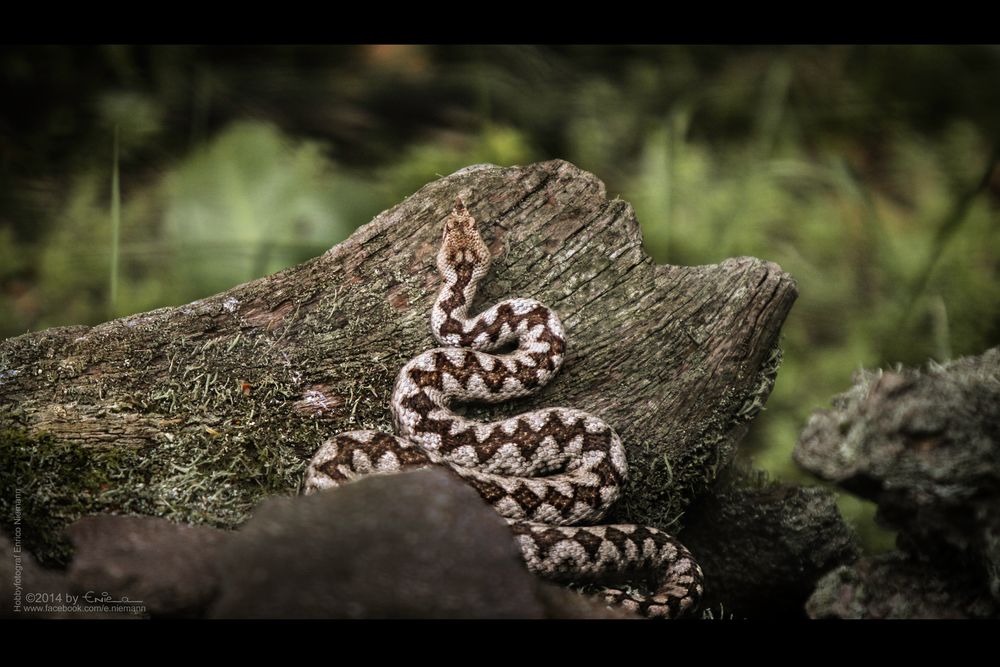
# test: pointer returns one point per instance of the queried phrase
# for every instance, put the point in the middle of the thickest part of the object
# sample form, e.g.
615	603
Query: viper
552	473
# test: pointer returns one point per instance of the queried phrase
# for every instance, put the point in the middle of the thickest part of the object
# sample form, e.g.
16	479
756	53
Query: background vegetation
138	177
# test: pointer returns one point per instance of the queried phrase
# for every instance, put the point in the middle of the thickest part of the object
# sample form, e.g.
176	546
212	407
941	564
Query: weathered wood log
195	413
925	446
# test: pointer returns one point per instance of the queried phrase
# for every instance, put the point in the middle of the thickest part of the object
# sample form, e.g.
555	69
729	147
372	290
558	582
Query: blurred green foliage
868	173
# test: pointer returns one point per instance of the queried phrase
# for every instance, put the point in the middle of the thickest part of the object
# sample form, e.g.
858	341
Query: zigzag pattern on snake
545	471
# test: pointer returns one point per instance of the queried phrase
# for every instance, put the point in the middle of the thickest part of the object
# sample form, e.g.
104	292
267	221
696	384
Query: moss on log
195	413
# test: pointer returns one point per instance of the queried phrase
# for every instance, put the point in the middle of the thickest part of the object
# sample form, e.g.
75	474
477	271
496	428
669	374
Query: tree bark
196	412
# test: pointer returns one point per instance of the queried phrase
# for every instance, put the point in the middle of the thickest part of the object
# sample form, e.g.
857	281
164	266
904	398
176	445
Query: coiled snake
544	471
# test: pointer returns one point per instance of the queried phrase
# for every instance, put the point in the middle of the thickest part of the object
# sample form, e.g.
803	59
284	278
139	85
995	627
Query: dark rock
925	446
566	603
897	586
416	545
169	567
30	591
413	545
763	545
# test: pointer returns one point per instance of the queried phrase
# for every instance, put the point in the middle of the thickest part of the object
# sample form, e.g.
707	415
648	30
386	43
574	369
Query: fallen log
197	412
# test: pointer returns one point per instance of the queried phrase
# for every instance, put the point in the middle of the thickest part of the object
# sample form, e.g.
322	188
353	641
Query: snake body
546	471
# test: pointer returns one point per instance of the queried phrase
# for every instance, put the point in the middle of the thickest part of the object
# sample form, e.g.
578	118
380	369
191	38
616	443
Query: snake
552	473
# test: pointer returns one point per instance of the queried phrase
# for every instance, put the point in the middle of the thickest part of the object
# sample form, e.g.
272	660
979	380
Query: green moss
228	431
207	479
47	484
220	450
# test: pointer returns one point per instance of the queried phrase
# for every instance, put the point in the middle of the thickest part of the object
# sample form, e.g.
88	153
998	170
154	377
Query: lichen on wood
195	413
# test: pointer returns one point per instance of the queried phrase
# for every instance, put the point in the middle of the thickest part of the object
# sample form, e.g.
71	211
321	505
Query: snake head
462	246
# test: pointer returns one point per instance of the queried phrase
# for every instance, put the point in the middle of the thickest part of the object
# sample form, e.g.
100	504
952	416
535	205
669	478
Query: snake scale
552	473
